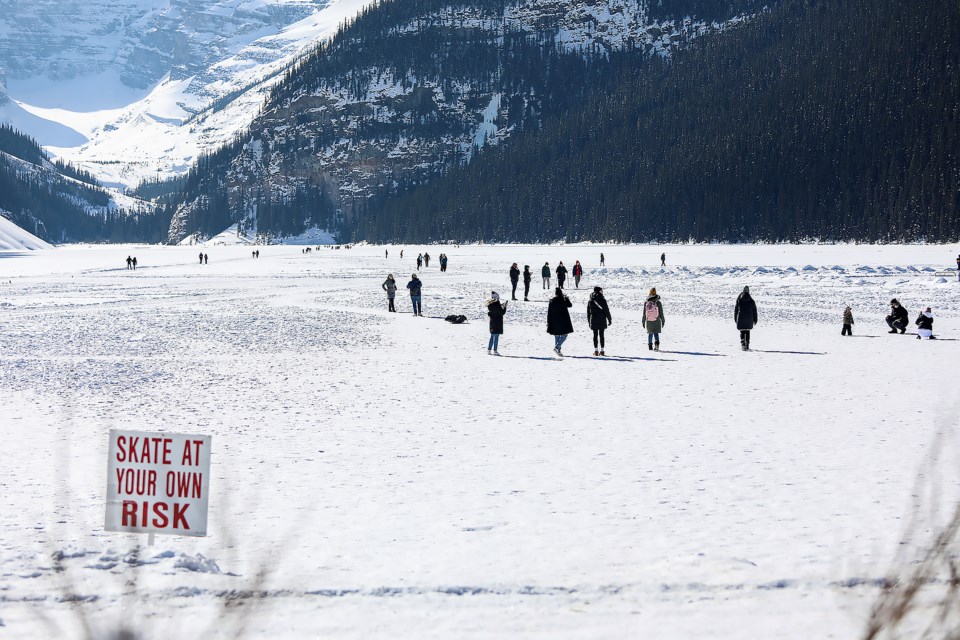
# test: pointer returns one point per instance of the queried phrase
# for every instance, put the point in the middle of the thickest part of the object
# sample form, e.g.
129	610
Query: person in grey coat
653	319
745	315
390	286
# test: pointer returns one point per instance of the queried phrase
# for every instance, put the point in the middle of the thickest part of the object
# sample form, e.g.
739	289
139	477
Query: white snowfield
14	238
377	475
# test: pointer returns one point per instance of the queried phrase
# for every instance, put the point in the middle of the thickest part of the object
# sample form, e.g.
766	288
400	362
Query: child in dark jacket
847	322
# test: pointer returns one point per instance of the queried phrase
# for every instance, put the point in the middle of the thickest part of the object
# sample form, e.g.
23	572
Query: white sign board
158	483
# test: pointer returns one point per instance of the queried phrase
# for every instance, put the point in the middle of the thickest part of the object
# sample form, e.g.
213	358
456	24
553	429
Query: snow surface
390	479
13	238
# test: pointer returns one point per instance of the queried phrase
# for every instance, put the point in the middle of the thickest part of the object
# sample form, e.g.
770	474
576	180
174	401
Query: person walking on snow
898	318
415	292
663	259
201	258
527	277
443	262
386	253
496	310
847	322
390	286
426	260
545	272
514	280
561	274
419	261
129	262
745	315
653	319
558	319
134	263
924	324
598	317
958	268
577	274
602	262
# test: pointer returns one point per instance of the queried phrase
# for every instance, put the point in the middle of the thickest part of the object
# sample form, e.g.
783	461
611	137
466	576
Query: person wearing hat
390	286
545	272
514	280
898	318
745	315
496	310
598	317
415	287
527	277
653	319
559	324
925	325
847	329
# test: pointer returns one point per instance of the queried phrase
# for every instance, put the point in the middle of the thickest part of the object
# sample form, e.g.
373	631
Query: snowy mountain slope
410	90
142	96
13	238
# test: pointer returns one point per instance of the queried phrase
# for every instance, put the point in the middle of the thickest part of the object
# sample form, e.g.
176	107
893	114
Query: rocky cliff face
402	95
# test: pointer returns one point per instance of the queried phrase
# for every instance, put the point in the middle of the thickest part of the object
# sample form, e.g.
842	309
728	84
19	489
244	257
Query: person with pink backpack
653	319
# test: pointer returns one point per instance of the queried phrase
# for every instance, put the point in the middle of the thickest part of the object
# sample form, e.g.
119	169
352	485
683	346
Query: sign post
158	483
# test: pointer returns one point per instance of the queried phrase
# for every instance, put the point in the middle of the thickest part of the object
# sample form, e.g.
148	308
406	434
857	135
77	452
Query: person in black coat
559	324
514	279
925	325
598	317
495	310
745	315
561	274
527	277
898	318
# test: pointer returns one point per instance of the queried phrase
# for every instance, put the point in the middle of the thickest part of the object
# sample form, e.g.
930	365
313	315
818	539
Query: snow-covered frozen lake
379	475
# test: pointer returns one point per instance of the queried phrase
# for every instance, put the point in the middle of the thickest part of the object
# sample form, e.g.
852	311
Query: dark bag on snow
456	319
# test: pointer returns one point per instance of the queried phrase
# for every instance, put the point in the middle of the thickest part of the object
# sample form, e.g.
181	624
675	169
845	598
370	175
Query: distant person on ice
527	277
201	258
134	263
561	274
415	291
847	322
602	262
514	280
496	310
653	319
745	315
129	262
390	286
598	317
443	262
577	274
386	253
958	268
663	259
545	272
419	261
924	324
898	318
206	258
426	260
558	319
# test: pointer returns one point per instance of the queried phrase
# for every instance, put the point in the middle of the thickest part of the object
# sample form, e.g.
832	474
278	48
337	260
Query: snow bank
13	238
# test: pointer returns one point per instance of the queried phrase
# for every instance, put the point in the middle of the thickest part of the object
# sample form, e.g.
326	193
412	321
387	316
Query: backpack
456	319
652	313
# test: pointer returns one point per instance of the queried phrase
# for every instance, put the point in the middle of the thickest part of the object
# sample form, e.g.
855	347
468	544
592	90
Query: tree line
819	119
